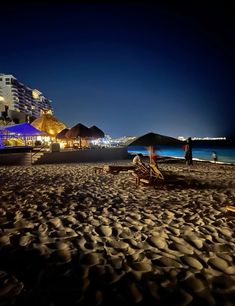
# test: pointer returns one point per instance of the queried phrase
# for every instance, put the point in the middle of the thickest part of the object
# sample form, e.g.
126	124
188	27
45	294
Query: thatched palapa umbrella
61	135
96	132
152	139
79	130
48	123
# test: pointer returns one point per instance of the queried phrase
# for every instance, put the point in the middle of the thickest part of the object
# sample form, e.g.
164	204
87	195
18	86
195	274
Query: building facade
20	103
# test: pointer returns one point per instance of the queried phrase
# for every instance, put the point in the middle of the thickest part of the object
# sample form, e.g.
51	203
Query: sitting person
137	160
147	173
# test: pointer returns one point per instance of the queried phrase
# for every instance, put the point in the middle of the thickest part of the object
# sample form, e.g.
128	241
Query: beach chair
148	174
230	208
156	171
113	169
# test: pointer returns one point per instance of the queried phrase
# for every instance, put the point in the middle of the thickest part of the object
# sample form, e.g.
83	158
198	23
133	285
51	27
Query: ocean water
224	154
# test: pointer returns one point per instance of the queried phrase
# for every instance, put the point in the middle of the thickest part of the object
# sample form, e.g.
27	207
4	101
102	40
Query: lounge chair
230	207
148	174
116	169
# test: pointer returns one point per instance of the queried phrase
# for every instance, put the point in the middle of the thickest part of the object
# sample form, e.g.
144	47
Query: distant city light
201	138
122	140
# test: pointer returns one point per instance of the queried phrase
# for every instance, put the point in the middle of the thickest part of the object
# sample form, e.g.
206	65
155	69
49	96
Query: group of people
188	153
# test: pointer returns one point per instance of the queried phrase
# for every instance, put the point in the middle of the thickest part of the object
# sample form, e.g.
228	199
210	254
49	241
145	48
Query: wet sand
69	236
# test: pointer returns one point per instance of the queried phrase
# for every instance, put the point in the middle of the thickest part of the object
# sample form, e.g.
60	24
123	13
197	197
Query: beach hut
49	124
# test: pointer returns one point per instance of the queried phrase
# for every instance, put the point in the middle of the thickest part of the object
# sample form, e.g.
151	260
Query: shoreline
182	158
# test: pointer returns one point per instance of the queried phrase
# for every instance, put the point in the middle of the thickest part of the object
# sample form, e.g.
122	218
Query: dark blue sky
127	68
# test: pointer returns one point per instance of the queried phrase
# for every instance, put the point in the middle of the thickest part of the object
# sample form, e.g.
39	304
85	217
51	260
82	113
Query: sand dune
72	237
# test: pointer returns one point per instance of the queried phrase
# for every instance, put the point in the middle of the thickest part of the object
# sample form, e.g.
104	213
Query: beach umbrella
96	132
152	140
79	130
48	123
61	134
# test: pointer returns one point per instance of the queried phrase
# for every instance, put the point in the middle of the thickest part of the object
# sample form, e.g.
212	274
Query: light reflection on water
226	155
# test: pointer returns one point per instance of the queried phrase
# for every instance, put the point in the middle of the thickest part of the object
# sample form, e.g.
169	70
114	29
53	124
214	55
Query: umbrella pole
150	154
150	159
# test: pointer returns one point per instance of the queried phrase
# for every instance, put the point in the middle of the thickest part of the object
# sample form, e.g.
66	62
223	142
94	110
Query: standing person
188	152
214	156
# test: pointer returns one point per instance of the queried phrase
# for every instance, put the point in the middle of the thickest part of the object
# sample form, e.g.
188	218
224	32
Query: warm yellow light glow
47	111
35	94
1	98
47	138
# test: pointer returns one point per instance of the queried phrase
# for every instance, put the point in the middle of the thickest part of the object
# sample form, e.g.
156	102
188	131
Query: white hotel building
19	102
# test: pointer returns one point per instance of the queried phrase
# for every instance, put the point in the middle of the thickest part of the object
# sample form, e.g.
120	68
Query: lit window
35	94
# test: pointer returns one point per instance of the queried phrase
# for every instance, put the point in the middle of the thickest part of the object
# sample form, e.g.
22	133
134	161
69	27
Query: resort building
19	102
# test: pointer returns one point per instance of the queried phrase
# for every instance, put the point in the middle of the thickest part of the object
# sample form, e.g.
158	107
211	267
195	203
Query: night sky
129	68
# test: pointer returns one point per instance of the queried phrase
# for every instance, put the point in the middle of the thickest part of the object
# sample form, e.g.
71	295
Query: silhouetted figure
188	152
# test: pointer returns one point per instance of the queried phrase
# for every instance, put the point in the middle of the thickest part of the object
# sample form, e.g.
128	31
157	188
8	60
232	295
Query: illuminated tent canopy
25	129
49	124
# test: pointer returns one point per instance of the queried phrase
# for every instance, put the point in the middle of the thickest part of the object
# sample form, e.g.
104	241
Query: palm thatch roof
61	134
79	130
96	132
49	124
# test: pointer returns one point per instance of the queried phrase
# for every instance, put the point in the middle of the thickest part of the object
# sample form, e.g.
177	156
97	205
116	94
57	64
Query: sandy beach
69	236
